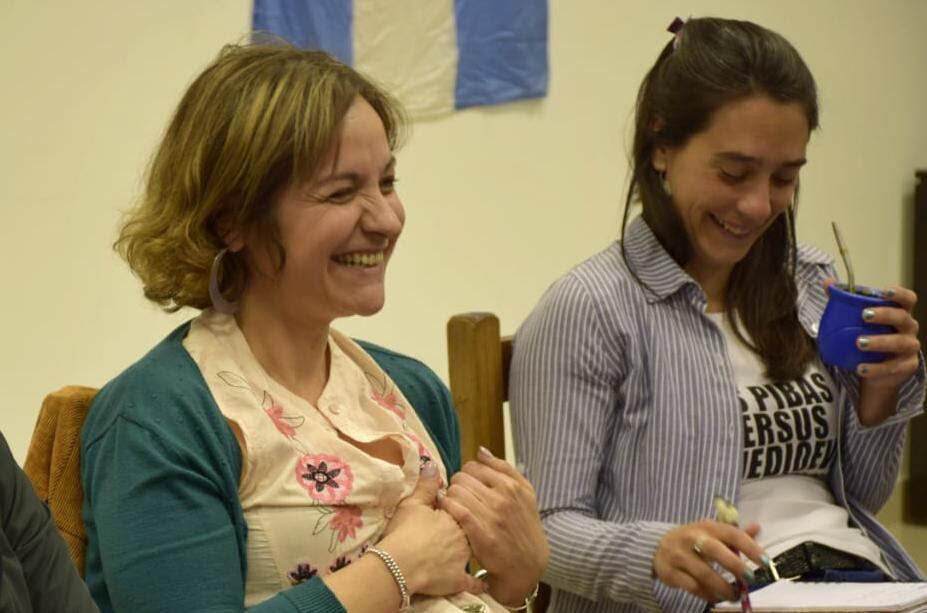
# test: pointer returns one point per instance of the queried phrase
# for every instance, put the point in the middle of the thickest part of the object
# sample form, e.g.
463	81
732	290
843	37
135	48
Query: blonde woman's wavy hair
257	117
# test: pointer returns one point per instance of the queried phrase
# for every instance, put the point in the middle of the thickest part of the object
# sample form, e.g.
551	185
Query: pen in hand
728	514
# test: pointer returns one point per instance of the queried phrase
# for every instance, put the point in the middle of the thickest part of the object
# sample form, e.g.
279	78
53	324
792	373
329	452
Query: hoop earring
219	303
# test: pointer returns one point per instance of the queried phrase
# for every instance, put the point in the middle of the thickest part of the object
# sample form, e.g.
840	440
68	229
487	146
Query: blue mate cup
842	323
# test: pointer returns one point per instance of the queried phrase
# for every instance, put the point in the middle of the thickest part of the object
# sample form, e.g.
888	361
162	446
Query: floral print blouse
313	498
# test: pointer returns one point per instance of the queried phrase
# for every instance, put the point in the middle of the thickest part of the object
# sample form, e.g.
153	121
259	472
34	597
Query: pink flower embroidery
383	392
389	402
275	412
285	425
346	521
325	477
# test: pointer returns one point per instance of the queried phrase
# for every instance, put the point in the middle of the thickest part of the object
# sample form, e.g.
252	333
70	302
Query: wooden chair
53	463
478	368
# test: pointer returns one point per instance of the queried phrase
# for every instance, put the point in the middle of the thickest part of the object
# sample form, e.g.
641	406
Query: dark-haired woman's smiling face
730	181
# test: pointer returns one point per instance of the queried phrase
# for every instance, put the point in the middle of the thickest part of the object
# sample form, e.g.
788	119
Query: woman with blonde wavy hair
256	458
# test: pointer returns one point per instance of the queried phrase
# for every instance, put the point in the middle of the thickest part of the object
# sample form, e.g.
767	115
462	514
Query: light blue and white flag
435	56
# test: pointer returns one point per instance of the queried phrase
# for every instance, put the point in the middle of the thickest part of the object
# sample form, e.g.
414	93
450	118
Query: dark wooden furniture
915	487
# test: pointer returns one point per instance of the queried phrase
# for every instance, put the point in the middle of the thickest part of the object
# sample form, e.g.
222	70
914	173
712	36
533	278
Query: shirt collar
660	272
652	264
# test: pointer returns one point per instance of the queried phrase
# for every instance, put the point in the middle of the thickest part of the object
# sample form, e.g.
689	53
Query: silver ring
697	547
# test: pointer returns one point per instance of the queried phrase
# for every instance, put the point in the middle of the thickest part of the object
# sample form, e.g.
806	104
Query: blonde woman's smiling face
338	229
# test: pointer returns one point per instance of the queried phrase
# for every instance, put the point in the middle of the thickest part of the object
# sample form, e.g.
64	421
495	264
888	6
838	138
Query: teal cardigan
160	469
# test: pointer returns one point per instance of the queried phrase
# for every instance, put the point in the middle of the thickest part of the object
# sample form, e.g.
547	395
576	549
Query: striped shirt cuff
640	568
599	559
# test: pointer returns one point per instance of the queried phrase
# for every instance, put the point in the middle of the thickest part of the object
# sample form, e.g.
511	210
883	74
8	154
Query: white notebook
795	596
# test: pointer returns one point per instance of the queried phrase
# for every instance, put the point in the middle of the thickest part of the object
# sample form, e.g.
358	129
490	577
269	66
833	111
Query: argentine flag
435	56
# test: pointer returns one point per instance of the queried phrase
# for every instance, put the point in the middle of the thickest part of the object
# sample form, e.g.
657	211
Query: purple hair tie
676	28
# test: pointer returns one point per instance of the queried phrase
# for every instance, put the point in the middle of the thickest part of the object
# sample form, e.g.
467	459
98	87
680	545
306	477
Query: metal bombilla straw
845	255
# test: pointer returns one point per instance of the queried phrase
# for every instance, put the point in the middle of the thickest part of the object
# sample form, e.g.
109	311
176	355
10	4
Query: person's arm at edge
52	579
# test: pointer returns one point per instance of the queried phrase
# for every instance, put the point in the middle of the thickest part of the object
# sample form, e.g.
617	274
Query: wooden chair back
478	368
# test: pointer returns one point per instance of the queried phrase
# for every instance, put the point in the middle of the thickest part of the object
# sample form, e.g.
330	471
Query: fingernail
749	576
766	560
868	314
440	495
429	470
862	342
862	369
486	453
890	292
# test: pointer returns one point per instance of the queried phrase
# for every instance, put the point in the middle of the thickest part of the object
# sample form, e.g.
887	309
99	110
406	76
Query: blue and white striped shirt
626	418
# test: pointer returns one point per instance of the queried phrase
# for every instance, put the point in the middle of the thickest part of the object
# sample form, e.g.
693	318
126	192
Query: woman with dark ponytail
681	364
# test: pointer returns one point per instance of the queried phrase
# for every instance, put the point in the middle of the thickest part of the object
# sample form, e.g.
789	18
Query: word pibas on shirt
789	427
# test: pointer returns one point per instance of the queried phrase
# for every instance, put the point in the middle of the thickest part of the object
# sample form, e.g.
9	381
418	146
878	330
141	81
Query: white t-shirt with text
790	441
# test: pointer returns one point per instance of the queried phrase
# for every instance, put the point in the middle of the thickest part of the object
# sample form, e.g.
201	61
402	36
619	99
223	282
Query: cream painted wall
500	201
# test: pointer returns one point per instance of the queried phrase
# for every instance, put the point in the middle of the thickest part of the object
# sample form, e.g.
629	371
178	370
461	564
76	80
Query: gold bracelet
529	599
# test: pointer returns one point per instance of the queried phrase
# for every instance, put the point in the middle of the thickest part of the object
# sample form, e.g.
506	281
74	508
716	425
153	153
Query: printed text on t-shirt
788	427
